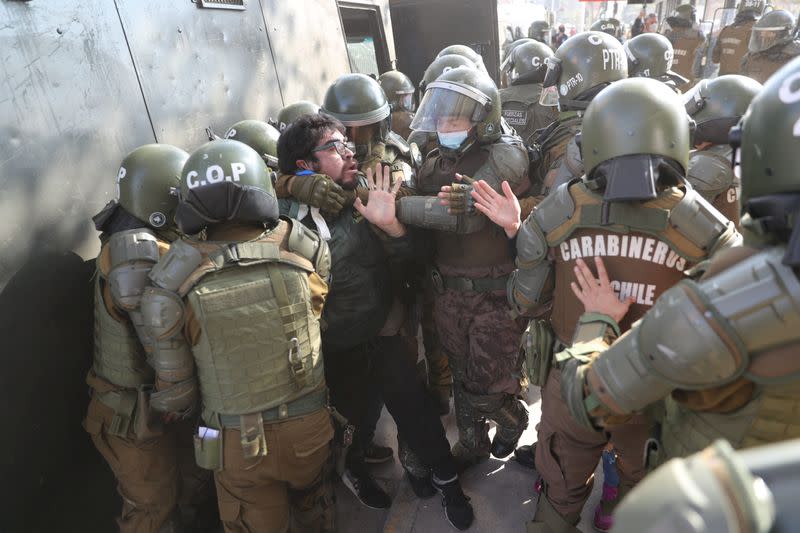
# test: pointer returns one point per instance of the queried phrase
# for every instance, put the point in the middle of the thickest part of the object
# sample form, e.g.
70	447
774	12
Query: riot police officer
688	42
607	213
540	31
472	263
733	40
291	112
465	51
260	136
235	317
611	26
716	106
400	92
650	56
144	454
521	109
772	45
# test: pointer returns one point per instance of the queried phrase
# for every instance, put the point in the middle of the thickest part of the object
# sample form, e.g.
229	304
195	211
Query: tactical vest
732	46
259	343
119	356
643	252
773	412
549	149
685	42
522	111
762	65
715	180
486	252
396	153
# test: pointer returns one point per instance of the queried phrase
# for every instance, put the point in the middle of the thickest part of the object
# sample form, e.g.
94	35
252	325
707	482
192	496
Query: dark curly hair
302	136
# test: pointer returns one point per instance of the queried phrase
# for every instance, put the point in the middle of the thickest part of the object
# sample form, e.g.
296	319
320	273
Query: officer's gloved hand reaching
457	196
318	190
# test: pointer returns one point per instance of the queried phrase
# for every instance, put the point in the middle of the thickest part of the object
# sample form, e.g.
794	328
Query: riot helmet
291	112
580	68
756	7
225	181
773	29
358	102
439	66
610	26
398	89
259	136
539	30
526	63
635	135
650	55
770	156
464	51
683	16
718	104
462	106
144	181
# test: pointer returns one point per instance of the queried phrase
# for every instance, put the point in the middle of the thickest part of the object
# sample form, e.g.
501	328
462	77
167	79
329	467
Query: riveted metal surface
65	73
200	67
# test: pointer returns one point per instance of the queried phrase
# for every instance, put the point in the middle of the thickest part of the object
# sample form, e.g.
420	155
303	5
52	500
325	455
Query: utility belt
132	417
458	283
208	442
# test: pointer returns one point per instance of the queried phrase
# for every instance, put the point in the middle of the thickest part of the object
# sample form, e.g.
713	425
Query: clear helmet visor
442	106
765	38
407	102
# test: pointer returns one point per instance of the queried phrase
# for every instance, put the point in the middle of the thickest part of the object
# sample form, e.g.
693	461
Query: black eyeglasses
341	146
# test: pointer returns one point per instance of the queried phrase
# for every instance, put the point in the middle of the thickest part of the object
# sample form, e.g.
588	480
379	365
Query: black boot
456	504
526	455
512	420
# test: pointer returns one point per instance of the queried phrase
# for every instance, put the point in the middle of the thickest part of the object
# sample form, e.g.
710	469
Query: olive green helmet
512	46
626	126
650	56
259	136
610	26
769	139
291	112
773	29
399	90
439	66
144	182
683	16
755	6
356	100
464	51
526	63
583	65
539	30
225	181
462	93
716	105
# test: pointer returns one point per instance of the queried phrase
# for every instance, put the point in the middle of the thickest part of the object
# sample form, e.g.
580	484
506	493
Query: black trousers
384	363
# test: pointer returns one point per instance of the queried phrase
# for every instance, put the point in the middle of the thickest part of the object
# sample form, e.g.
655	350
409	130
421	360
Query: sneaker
366	490
603	513
456	504
374	454
526	455
421	486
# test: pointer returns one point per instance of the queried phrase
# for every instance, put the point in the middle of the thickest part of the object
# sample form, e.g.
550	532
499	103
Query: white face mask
452	139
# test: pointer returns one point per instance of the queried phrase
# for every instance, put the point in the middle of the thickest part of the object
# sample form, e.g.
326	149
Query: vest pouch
537	344
147	423
123	402
208	448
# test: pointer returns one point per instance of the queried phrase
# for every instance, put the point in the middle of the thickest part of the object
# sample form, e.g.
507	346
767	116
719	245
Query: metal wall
81	84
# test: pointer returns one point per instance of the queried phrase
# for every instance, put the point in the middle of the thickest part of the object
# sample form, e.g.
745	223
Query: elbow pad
426	212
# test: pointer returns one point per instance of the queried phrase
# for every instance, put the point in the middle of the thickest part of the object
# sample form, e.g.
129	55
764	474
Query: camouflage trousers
290	489
161	486
475	329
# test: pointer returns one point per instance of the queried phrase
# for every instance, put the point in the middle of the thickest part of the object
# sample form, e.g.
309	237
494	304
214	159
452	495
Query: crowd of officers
258	301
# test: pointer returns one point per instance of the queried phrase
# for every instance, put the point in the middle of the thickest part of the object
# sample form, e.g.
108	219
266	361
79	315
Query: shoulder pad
133	245
556	209
308	244
709	173
698	221
175	267
395	140
507	161
531	243
792	49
